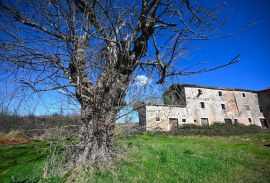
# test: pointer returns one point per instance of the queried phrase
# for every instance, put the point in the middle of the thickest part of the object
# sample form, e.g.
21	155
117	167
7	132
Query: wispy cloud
142	80
62	91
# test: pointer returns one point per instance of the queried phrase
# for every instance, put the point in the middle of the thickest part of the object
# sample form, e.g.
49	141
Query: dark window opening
223	106
202	105
247	107
157	119
204	121
249	120
261	108
200	91
184	120
173	122
228	121
264	123
244	95
220	93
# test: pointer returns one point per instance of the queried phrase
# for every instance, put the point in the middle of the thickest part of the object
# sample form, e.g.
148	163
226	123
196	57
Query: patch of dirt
16	138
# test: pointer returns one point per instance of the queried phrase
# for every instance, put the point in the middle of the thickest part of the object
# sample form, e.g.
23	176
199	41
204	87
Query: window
264	123
183	120
200	91
261	108
243	94
228	121
173	122
249	120
247	107
223	106
204	121
220	93
157	119
202	105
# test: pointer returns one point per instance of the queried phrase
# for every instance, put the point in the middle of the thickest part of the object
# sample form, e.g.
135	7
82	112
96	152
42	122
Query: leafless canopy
42	36
92	48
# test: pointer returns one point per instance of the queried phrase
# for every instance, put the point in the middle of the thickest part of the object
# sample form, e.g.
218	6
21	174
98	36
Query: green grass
157	158
20	163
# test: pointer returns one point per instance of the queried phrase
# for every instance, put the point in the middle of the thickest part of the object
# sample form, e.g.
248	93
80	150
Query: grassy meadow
153	158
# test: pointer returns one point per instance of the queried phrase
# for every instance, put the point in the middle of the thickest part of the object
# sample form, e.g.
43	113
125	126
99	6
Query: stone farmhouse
202	105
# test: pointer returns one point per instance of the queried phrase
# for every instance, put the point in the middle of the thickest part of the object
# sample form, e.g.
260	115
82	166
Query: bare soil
15	139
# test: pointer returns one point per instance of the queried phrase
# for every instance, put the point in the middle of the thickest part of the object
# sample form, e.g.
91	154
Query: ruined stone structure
200	105
264	101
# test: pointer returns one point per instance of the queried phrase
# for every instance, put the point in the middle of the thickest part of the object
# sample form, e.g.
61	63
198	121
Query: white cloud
62	91
142	80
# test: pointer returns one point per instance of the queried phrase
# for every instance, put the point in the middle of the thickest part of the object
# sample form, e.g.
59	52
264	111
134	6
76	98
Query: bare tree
92	50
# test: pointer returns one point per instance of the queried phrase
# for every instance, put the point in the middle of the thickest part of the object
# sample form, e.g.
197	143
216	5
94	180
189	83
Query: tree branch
27	22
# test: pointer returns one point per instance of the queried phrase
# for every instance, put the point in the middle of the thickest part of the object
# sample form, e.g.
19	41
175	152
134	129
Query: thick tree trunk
99	114
100	104
96	142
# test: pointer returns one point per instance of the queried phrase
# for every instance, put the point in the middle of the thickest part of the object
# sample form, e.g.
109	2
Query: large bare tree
91	49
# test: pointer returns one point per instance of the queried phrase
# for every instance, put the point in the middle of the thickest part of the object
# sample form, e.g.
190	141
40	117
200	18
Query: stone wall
157	116
235	105
242	106
264	99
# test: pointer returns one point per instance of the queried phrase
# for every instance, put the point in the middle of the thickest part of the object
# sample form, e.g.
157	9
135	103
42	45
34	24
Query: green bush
216	129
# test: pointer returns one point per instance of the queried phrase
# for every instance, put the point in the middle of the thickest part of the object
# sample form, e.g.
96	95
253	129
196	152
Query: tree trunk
96	141
100	105
99	114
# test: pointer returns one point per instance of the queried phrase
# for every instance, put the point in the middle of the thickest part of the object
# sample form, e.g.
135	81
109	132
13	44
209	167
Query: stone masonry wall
238	106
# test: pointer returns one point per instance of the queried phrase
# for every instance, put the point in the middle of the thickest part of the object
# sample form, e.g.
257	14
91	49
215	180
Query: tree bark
100	106
96	142
95	146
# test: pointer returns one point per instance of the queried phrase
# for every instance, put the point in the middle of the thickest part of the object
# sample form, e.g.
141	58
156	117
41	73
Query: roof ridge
220	88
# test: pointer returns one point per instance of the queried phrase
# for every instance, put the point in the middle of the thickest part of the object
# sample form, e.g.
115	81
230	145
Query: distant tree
137	105
174	95
92	50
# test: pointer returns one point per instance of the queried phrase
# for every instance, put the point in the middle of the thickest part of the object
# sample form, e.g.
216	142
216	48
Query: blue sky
253	71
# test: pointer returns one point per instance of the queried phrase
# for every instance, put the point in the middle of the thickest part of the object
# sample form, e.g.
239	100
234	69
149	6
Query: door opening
228	121
264	123
173	122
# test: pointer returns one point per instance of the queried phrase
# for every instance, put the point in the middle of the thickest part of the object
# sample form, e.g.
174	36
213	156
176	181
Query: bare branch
30	23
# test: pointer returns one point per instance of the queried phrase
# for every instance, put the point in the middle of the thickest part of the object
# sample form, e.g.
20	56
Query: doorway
264	123
228	121
173	122
204	122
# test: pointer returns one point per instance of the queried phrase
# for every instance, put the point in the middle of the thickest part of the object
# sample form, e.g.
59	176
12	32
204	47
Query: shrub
38	125
216	129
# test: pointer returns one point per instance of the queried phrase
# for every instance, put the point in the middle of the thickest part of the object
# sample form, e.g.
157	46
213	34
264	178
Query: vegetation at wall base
216	129
152	157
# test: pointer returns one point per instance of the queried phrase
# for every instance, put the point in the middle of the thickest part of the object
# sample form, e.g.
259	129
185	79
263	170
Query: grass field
154	158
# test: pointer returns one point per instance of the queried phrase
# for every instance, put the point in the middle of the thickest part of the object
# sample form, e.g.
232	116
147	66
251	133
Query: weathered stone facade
264	100
204	106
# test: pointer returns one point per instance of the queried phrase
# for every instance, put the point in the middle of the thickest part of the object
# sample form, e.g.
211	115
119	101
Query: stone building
264	101
201	105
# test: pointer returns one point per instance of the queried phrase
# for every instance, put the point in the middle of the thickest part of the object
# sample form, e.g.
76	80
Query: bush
38	125
216	129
